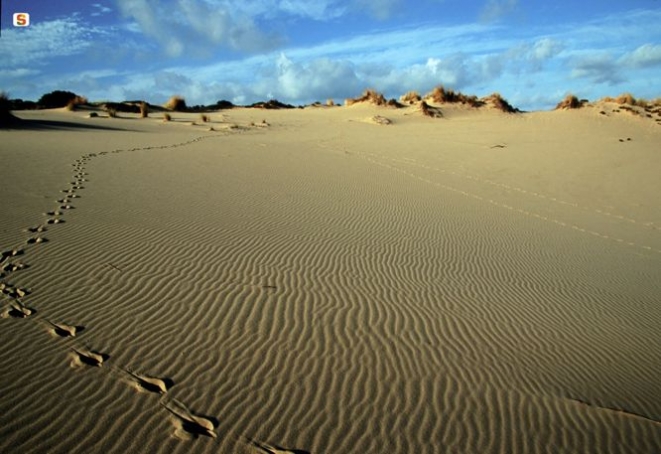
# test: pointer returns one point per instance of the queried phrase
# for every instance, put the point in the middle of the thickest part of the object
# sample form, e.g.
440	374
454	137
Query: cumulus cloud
192	27
314	80
533	56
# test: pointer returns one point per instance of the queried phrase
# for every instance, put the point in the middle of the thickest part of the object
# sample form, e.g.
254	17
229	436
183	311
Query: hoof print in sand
62	330
186	424
54	221
36	240
12	253
12	267
82	357
38	229
146	383
17	310
13	292
272	449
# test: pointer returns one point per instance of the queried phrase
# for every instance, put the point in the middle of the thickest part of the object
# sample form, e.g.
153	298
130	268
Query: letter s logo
21	19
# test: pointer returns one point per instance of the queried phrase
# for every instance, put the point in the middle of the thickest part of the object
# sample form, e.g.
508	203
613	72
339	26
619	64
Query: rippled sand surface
328	282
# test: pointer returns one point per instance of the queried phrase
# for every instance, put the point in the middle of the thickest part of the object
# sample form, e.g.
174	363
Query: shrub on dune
6	116
369	95
75	102
167	117
58	98
144	110
626	98
410	97
429	111
500	103
441	95
176	103
570	102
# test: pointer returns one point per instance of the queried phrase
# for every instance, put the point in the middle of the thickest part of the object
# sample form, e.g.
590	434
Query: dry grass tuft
369	95
429	111
410	98
144	110
442	95
176	103
167	117
112	112
570	102
500	103
330	102
626	98
205	118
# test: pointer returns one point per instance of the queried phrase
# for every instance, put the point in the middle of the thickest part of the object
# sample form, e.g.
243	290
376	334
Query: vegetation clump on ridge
441	95
373	97
571	102
6	117
176	103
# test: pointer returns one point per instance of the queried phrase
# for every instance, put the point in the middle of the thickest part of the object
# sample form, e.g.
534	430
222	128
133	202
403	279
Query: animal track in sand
187	424
614	410
36	240
371	158
272	449
10	253
17	310
63	330
413	162
13	292
147	383
12	267
80	357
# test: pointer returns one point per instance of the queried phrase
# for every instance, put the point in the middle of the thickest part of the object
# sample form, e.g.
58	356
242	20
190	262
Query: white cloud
495	9
188	27
318	79
599	68
645	56
317	10
44	41
18	72
381	9
100	9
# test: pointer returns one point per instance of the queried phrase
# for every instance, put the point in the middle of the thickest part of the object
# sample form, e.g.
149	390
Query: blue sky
300	51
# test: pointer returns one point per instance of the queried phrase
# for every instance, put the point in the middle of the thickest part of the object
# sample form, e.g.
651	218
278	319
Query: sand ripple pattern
386	311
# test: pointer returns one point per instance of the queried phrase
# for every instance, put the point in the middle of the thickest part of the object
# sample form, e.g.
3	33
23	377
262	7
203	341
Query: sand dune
480	282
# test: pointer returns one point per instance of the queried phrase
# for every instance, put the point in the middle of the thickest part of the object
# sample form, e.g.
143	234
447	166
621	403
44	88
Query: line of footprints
187	424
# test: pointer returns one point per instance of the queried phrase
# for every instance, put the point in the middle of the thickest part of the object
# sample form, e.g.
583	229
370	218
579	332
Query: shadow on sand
52	125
